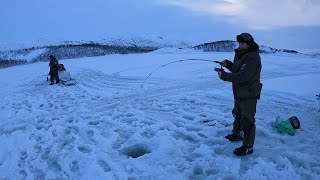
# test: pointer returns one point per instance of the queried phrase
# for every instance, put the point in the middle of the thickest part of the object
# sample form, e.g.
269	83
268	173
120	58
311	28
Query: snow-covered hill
108	127
35	52
40	51
229	46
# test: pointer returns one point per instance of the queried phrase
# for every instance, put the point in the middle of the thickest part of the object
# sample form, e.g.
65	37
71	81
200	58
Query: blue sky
277	23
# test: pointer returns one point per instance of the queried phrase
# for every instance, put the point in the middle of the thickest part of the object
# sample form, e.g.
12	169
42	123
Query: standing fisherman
245	77
54	67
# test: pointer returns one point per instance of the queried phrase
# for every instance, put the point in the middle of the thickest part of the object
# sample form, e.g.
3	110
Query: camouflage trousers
54	76
244	112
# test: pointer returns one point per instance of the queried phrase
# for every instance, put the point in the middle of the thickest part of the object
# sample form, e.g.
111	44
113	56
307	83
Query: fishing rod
178	61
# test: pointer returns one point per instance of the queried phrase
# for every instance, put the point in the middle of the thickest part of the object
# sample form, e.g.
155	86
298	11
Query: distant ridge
78	49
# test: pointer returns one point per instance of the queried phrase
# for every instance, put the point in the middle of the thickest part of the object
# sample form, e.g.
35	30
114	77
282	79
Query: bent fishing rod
178	61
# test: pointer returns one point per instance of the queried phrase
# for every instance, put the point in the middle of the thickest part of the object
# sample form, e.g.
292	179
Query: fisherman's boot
243	150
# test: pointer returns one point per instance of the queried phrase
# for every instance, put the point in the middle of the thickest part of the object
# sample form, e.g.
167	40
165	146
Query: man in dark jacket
54	67
245	77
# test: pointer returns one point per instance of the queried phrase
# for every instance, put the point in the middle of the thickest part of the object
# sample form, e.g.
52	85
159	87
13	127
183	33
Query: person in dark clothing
54	68
62	68
245	77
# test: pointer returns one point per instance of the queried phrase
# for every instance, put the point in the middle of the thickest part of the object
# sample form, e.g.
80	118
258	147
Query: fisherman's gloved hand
219	71
224	63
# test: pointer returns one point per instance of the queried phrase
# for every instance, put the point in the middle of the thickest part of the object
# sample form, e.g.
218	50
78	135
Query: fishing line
178	61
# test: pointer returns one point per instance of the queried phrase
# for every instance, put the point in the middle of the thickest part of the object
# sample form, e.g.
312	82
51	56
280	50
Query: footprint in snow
94	123
104	165
74	167
90	133
136	151
84	149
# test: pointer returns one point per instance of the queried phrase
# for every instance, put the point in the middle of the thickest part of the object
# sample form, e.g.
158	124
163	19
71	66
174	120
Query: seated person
61	67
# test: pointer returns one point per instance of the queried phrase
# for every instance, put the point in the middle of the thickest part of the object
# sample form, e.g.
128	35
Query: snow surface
108	127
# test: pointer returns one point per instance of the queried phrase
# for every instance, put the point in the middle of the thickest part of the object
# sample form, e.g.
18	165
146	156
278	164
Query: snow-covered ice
108	127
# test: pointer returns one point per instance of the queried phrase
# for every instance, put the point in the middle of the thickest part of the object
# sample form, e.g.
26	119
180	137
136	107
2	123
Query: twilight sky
278	23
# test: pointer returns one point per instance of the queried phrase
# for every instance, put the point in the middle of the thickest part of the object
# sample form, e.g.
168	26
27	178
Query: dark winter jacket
54	66
245	73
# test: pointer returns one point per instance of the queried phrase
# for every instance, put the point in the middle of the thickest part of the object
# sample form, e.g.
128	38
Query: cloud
257	14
